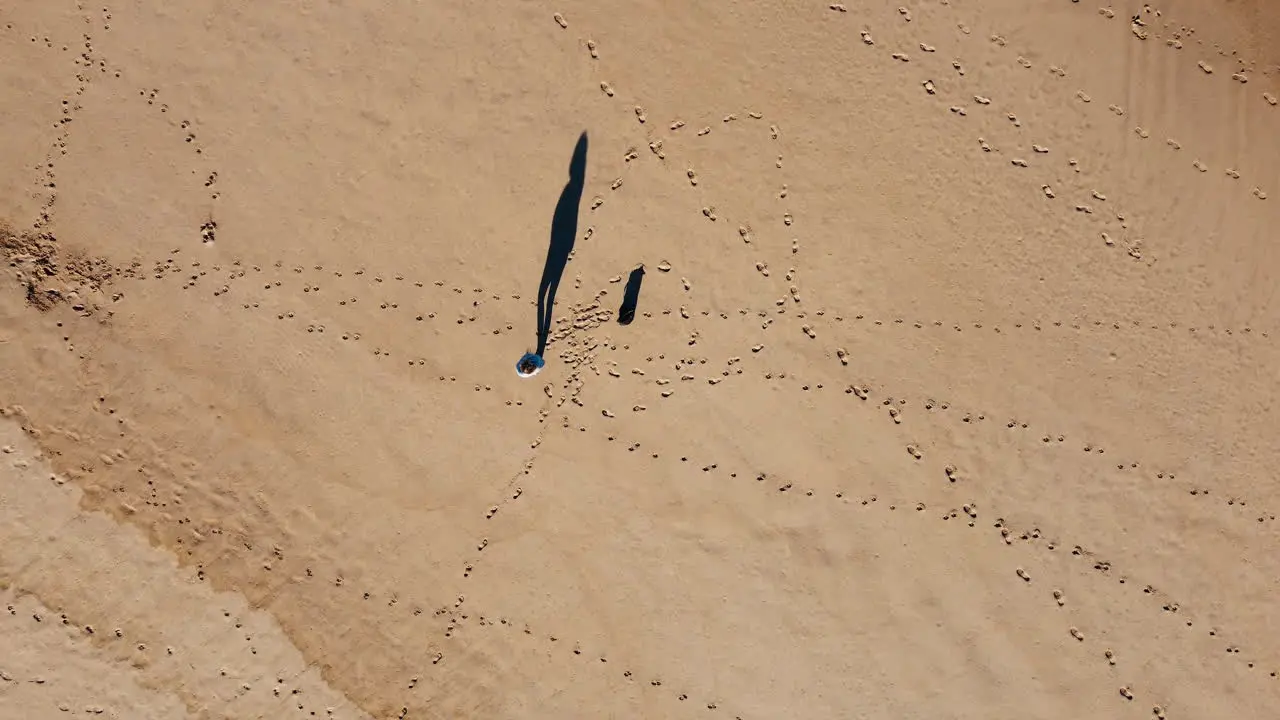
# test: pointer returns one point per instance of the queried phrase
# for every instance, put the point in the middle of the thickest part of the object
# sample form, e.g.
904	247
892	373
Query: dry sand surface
951	389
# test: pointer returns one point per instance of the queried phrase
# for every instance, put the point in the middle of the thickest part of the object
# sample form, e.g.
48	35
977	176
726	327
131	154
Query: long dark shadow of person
564	231
631	297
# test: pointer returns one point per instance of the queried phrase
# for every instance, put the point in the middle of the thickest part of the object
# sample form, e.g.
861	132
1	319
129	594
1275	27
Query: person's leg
542	314
546	311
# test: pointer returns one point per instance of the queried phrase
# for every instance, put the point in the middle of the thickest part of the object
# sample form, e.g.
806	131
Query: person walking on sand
530	364
564	230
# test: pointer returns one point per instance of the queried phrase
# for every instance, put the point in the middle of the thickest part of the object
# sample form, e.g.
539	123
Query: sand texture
901	362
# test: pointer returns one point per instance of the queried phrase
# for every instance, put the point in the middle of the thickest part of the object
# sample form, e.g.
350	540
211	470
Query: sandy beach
914	361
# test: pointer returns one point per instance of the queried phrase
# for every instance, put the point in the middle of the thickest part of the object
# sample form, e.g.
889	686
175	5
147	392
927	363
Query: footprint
560	20
606	88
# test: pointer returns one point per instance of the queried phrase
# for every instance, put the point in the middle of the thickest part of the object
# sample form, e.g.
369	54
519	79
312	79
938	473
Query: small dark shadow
564	231
631	297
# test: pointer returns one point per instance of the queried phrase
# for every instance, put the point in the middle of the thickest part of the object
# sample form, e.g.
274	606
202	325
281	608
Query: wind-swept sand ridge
82	588
948	392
